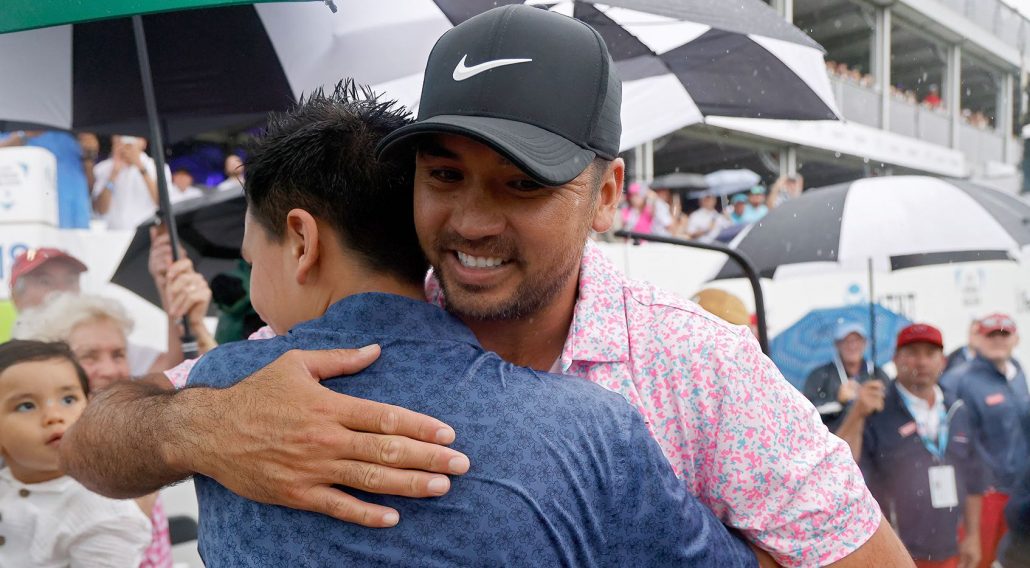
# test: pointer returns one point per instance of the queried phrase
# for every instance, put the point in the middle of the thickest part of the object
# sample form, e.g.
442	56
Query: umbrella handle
189	341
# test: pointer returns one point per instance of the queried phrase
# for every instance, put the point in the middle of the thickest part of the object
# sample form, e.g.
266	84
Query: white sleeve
115	534
102	175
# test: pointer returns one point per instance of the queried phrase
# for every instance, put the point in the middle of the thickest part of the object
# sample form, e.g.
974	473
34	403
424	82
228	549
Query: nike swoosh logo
461	72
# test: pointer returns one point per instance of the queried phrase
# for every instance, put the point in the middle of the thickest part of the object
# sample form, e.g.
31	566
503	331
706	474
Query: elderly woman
97	330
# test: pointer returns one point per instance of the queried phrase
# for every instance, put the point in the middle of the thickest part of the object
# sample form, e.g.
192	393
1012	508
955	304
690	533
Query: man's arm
276	437
883	549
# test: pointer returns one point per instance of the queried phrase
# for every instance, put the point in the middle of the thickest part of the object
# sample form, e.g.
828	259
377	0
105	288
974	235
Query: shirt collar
918	403
600	303
378	314
58	485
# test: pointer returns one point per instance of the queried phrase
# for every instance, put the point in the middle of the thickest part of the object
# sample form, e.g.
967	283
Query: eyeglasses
998	323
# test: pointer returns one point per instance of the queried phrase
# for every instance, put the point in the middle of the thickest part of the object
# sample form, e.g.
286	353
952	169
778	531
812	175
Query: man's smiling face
503	245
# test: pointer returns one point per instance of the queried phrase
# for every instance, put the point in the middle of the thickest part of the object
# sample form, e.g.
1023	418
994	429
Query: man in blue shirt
918	457
994	388
566	472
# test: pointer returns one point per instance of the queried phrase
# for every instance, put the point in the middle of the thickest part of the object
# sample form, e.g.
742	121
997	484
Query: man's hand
969	551
279	437
848	391
187	292
870	398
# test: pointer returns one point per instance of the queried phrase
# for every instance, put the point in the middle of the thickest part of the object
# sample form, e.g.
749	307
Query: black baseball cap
536	86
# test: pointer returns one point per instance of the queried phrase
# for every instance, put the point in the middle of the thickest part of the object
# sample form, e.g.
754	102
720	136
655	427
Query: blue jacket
896	466
1001	414
564	472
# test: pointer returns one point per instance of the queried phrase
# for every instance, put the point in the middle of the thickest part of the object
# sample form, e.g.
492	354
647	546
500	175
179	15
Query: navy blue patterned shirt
564	472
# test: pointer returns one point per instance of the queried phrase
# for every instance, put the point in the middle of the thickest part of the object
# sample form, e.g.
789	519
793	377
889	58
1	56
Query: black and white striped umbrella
212	68
680	60
898	222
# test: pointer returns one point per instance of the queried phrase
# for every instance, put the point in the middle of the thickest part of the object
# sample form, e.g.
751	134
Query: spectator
72	192
125	192
756	208
933	98
90	145
1014	551
97	329
834	386
994	388
738	215
639	213
917	454
233	174
706	223
38	273
663	212
967	352
786	188
49	519
182	188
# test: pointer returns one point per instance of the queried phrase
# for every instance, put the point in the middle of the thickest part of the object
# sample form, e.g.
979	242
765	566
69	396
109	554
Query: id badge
943	492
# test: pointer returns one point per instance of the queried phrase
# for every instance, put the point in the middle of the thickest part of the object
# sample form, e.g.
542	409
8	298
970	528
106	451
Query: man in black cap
517	144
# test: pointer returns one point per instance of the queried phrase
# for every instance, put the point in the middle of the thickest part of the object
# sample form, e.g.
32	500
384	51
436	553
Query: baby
47	518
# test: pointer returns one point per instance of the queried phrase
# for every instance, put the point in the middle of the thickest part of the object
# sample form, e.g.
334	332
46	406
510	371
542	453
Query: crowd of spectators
120	190
703	216
943	449
931	100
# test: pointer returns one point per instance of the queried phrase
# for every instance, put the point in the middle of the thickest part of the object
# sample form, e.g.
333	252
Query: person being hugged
47	518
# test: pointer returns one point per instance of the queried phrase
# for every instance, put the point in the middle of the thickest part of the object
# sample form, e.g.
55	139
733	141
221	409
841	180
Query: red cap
32	259
996	322
920	333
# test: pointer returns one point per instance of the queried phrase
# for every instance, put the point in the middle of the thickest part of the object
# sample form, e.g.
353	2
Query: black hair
19	351
320	157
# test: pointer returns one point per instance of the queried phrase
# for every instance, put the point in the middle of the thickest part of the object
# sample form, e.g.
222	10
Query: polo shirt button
24	492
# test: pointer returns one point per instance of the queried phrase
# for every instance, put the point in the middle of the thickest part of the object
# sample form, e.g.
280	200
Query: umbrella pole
189	342
872	315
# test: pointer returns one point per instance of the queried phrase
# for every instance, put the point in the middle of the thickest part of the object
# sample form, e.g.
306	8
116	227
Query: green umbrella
21	15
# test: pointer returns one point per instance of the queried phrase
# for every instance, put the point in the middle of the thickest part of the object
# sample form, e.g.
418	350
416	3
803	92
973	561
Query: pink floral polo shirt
745	441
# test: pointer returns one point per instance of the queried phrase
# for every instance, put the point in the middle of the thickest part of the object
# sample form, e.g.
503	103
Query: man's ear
302	243
610	194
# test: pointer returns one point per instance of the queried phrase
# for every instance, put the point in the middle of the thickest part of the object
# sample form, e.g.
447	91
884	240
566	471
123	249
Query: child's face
39	400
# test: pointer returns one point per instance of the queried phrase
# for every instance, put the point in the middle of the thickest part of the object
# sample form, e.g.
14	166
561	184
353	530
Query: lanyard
939	447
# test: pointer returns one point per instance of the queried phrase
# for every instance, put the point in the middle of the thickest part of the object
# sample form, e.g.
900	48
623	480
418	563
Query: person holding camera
125	190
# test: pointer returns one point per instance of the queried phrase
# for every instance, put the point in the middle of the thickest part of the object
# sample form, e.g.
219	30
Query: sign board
28	186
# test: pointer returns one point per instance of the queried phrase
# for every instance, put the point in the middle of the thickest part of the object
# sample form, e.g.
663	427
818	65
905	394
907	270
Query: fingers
405	453
329	363
374	478
347	508
376	417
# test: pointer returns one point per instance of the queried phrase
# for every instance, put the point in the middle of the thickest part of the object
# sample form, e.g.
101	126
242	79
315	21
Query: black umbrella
210	228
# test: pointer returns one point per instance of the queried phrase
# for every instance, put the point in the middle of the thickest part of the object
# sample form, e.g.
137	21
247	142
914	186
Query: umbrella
210	228
680	180
213	68
727	182
809	342
895	222
24	15
679	61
